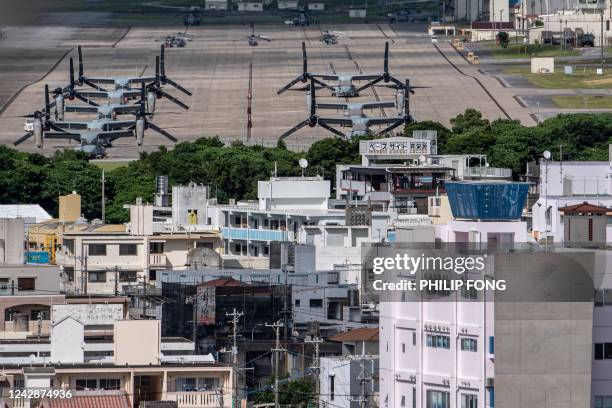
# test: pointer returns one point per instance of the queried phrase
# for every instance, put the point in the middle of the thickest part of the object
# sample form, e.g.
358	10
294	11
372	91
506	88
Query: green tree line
232	171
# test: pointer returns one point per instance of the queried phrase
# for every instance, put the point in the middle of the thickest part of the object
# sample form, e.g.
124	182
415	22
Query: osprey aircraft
354	115
345	83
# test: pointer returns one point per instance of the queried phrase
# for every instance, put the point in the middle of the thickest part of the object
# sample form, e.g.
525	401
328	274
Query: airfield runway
216	67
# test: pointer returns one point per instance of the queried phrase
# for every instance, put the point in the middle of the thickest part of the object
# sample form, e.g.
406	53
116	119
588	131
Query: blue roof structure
487	201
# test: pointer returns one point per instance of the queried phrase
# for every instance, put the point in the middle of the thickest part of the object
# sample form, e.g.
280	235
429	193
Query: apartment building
566	183
399	174
352	378
442	354
87	345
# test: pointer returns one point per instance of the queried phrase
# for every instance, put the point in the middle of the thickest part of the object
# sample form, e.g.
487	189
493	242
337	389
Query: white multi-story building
564	184
441	354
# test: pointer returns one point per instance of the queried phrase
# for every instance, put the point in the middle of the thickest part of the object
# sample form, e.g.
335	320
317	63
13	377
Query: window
403	401
152	274
316	302
98	276
491	344
470	293
69	273
438	341
438	399
414	398
297	302
414	338
403	347
469	345
25	283
128	249
68	245
603	401
97	249
331	387
469	401
603	351
156	247
127	276
202	244
110	383
86	384
603	297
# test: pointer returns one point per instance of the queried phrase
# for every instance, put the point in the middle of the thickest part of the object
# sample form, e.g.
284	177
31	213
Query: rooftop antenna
303	164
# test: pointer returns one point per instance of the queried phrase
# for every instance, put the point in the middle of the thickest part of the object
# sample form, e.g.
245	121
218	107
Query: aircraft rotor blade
95	86
331	129
177	86
289	85
84	99
175	100
81	73
369	84
294	129
304	59
23	139
389	128
162	132
386	62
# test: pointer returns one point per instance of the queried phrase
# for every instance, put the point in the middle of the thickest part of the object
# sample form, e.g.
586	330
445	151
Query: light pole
601	39
546	155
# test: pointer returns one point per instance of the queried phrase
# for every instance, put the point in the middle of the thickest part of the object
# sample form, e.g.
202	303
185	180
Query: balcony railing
252	234
200	399
157	260
497	172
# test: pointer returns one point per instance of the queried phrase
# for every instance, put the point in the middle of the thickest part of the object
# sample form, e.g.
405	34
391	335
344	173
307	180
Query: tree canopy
232	171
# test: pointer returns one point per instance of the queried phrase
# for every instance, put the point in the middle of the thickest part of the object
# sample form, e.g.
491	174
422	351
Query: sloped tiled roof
584	208
361	334
88	401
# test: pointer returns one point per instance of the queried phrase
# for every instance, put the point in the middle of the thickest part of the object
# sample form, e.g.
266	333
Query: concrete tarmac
216	67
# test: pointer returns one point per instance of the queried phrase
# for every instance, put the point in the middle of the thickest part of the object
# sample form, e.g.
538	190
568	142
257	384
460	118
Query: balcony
157	260
200	399
251	234
488	172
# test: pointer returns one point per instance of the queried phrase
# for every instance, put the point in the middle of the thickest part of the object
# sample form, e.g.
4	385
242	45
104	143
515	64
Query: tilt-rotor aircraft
345	83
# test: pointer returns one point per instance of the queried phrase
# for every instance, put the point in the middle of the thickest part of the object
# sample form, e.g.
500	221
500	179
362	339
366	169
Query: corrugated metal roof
33	211
487	200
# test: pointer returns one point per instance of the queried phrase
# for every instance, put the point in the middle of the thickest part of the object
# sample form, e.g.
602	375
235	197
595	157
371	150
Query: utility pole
103	199
363	378
116	268
235	319
276	327
601	38
316	365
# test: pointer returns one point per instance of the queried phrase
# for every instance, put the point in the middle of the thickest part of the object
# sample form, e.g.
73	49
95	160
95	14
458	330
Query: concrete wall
12	238
67	341
301	193
137	342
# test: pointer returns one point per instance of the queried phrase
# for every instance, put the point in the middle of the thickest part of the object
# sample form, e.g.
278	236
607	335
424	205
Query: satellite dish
303	164
547	155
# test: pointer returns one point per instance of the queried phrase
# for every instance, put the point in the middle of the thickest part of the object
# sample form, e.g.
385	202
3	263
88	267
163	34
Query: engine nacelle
38	133
140	128
151	96
59	107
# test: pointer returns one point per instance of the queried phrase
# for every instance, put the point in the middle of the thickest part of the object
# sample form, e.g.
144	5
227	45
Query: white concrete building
287	4
12	238
316	6
564	184
250	6
216	5
441	354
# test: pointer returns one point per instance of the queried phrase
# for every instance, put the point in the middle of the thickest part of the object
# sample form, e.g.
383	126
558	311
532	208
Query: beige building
104	258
